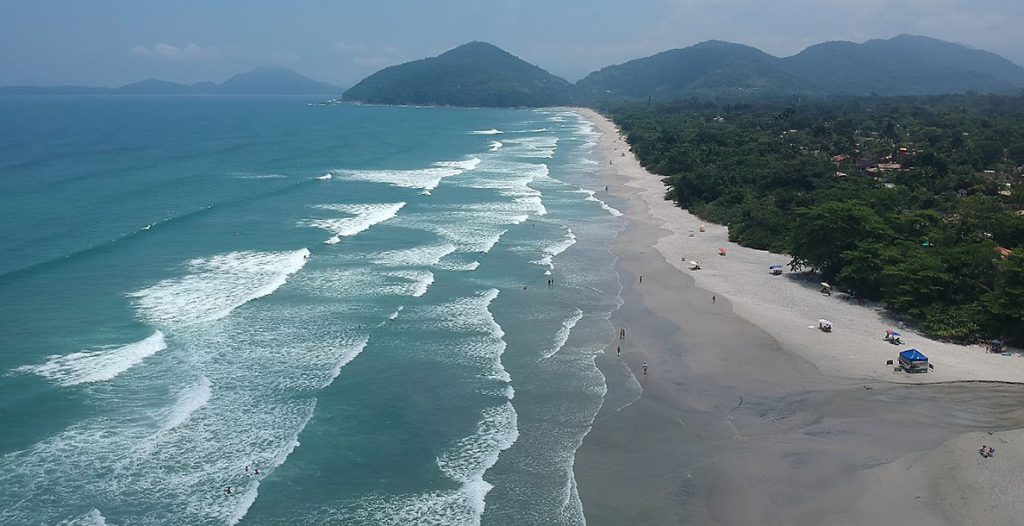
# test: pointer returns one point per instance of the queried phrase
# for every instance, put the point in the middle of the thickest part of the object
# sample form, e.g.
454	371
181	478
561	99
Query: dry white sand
788	306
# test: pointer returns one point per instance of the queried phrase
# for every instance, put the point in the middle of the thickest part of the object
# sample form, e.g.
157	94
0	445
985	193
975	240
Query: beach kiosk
912	361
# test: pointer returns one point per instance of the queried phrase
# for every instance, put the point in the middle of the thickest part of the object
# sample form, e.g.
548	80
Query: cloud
168	52
365	57
348	47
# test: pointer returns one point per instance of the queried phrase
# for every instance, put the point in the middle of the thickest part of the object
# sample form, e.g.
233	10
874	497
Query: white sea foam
366	282
491	131
97	366
469	318
190	400
418	280
495	146
259	176
326	177
459	267
421	256
590	197
470	457
464	165
459	507
347	356
557	248
92	518
562	335
605	206
543	146
470	228
395	314
263	366
466	461
364	217
217	285
512	179
426	179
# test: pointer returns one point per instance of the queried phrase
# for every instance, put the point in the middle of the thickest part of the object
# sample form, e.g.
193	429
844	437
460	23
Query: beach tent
721	251
912	361
825	325
775	269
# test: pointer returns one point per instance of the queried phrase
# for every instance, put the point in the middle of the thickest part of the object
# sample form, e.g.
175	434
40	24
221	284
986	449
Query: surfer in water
227	490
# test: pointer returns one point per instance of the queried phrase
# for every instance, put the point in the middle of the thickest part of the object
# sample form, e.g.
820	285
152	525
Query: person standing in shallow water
645	368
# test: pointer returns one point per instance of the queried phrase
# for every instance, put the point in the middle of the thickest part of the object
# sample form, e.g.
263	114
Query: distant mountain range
265	80
903	65
473	74
480	74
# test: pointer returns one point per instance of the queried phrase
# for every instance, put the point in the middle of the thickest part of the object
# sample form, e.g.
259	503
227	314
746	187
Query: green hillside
474	74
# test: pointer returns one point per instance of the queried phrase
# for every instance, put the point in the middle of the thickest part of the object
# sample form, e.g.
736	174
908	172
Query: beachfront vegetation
915	202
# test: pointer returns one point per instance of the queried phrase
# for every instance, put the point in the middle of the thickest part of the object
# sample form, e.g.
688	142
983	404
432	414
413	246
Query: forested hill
903	65
473	74
915	202
710	68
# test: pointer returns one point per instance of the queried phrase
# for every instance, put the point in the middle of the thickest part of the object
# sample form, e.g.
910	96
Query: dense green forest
916	202
473	74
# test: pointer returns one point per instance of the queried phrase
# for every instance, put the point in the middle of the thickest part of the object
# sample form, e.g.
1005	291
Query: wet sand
731	425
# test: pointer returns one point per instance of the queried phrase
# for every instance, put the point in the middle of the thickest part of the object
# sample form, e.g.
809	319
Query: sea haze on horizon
353	300
50	43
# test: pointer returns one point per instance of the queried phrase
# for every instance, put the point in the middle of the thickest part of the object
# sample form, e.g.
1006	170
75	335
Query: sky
114	42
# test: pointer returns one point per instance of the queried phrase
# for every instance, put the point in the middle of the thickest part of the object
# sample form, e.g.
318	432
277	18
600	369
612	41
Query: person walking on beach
714	299
645	368
618	350
641	278
622	334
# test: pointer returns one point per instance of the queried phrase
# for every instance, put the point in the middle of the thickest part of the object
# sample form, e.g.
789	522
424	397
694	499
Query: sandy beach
751	415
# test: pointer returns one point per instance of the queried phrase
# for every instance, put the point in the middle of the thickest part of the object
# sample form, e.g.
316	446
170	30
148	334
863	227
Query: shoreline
750	417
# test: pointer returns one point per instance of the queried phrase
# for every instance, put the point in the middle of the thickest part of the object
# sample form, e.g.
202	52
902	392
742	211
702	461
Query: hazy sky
113	42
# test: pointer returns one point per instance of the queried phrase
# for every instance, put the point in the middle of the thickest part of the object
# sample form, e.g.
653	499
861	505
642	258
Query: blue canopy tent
912	361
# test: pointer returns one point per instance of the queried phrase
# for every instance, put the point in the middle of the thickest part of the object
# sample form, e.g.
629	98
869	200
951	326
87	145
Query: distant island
264	80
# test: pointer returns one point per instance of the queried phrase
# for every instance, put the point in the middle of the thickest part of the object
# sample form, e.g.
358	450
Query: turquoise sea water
352	300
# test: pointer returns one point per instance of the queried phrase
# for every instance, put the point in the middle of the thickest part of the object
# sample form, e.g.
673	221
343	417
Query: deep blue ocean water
352	300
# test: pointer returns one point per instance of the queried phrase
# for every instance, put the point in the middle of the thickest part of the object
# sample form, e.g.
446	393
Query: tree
824	232
916	283
1005	305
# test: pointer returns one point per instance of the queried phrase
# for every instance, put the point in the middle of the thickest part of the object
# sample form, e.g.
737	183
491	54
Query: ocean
352	300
